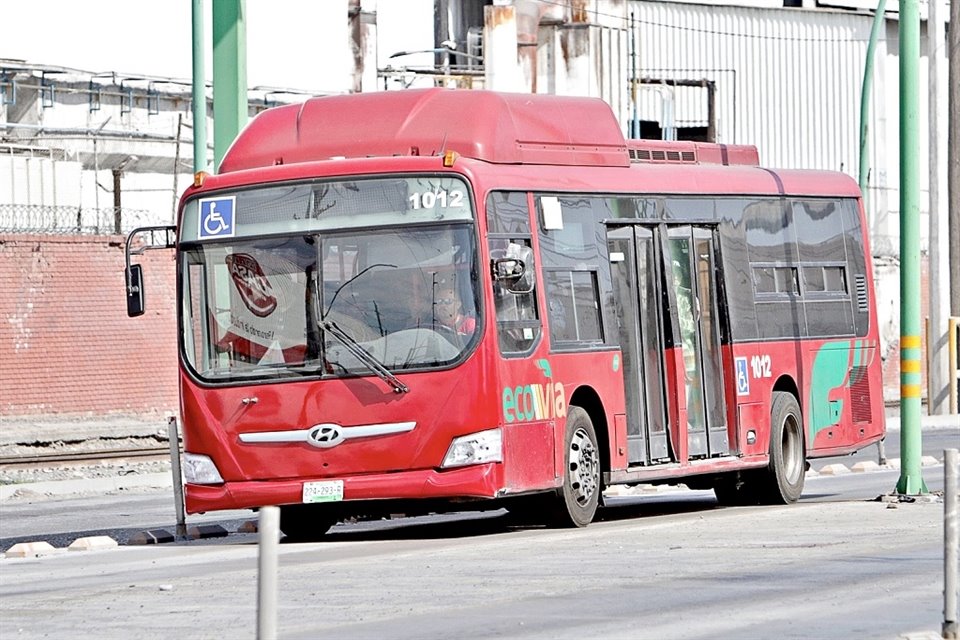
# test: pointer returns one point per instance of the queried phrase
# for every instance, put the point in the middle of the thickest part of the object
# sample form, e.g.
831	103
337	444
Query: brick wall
67	347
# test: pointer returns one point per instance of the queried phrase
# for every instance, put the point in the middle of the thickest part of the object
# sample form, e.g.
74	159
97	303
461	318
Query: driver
448	310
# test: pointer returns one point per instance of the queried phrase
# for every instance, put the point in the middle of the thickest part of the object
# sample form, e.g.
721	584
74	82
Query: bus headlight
199	469
476	448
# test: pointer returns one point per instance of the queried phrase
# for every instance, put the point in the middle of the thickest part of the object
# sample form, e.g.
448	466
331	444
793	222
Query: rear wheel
580	494
787	458
738	488
302	522
782	481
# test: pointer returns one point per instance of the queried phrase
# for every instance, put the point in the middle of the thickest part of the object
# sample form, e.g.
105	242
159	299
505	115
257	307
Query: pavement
86	486
46	430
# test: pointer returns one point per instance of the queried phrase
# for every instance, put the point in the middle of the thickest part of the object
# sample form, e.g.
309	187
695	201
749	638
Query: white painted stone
92	543
615	490
30	549
834	470
864	466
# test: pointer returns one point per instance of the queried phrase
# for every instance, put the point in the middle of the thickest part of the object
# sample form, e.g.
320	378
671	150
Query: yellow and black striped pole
911	477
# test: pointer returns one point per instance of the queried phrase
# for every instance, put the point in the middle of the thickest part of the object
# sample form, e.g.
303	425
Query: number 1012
431	199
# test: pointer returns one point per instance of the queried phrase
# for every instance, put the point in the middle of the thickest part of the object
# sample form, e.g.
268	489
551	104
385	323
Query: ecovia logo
217	217
537	400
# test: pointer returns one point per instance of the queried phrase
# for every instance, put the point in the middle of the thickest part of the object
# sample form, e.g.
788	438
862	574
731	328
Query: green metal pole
229	74
878	19
911	478
199	91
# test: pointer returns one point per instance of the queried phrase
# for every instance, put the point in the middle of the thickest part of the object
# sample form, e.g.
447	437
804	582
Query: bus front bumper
473	482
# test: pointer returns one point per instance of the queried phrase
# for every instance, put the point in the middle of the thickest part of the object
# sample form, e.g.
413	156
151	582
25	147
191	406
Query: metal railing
45	219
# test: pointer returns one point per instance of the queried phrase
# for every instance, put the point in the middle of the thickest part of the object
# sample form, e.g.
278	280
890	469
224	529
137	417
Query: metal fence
16	218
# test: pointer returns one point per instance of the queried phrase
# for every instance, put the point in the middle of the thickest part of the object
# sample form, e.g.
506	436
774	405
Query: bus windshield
295	305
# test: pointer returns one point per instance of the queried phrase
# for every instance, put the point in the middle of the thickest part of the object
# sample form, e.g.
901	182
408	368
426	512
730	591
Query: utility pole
865	93
953	160
911	479
938	393
199	86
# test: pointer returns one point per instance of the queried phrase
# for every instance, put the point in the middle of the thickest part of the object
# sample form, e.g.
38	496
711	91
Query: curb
87	485
41	548
151	536
865	466
202	531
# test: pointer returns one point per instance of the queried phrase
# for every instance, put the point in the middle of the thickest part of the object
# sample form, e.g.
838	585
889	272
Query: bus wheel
737	489
303	522
580	494
787	460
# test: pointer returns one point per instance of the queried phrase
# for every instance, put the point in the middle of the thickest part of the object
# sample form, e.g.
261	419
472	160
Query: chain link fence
17	218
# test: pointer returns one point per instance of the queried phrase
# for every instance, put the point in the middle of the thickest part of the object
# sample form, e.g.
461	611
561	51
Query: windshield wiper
364	356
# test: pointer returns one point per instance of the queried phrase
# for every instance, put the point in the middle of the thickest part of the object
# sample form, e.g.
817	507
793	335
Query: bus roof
510	128
501	128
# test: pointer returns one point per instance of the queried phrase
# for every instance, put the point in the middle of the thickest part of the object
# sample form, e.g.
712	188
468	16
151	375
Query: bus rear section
739	317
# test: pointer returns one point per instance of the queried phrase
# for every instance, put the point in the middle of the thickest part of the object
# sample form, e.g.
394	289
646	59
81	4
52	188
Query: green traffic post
911	478
229	74
199	91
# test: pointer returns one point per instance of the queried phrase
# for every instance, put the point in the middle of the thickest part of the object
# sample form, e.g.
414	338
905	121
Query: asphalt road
668	565
60	521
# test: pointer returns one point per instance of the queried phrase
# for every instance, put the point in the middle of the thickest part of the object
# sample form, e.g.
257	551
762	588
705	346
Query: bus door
691	270
636	271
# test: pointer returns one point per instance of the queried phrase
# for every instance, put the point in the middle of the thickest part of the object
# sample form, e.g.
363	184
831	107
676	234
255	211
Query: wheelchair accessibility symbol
743	377
217	217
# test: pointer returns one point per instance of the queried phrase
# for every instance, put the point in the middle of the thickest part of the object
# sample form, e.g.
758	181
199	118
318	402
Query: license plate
324	491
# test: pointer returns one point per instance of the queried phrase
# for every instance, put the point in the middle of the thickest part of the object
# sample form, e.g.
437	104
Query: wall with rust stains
67	347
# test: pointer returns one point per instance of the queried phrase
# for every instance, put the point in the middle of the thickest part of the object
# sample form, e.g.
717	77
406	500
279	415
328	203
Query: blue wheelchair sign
217	217
743	377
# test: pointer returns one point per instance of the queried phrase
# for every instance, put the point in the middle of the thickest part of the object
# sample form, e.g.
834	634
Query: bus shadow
432	527
478	524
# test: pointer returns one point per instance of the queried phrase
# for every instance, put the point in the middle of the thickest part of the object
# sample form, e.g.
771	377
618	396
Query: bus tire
580	493
304	522
787	459
737	489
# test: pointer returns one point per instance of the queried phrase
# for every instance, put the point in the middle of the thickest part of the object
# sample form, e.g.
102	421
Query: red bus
440	299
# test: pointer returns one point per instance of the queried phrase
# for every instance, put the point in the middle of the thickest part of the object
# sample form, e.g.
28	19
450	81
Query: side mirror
134	277
515	270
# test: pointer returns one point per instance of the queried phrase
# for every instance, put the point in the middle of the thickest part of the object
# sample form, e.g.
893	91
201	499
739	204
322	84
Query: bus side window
518	324
513	269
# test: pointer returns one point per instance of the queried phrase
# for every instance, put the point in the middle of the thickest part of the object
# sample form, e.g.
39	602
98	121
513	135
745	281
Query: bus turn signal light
449	157
198	178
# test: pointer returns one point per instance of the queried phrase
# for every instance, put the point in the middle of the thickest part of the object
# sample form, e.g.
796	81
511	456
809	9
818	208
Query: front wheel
580	494
787	458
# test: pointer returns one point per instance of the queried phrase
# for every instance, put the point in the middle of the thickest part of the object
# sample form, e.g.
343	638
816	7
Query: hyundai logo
325	435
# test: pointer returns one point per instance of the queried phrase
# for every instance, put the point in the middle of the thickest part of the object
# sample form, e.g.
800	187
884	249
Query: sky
288	41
